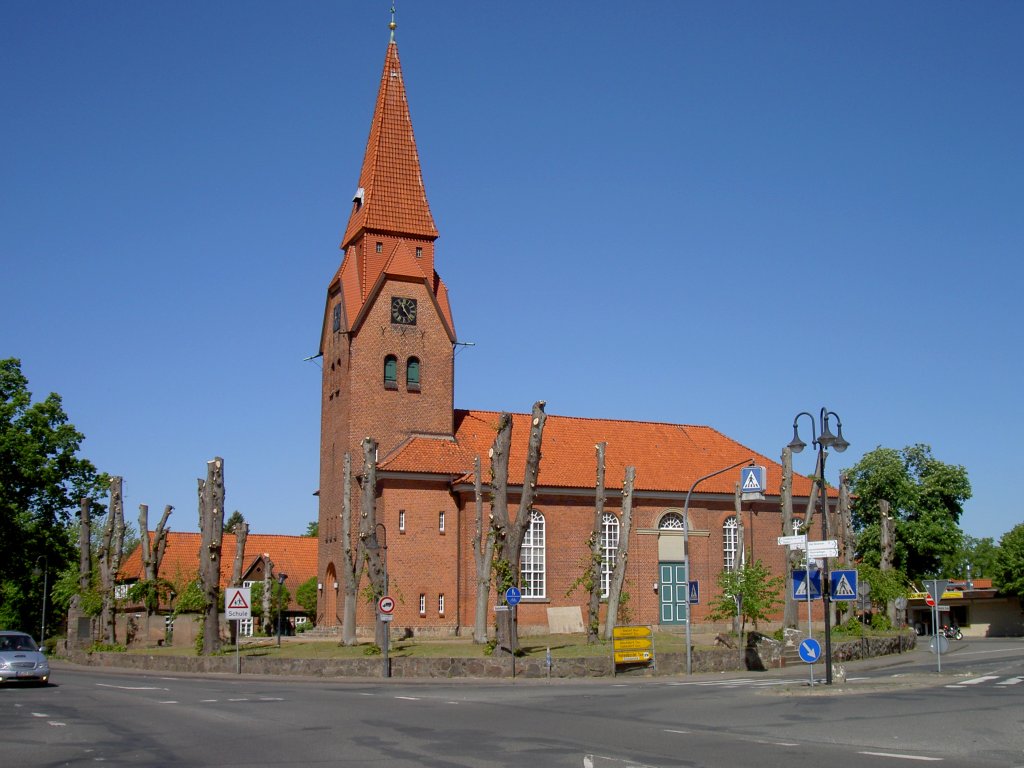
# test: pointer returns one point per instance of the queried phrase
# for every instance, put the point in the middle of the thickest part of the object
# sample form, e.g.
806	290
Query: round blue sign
810	650
513	595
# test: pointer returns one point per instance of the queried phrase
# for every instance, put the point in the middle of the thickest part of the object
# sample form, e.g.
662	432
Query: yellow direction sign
633	644
631	632
631	657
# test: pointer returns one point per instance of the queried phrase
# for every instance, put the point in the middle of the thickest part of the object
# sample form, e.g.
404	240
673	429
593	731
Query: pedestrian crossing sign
800	585
752	483
843	584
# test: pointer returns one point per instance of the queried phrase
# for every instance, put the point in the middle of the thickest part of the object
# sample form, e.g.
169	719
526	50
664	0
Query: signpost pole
807	586
238	657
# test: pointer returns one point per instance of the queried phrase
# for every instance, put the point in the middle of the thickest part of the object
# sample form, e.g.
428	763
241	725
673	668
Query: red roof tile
667	457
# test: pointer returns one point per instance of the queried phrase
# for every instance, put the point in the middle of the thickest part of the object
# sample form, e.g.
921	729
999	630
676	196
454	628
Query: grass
534	646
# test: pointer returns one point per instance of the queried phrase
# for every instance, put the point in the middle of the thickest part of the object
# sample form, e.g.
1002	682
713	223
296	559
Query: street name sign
819	549
633	645
794	542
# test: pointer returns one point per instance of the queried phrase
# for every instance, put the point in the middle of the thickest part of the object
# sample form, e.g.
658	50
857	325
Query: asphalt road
891	712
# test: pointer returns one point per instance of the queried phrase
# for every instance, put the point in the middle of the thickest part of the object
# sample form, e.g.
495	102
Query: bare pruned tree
483	553
621	554
111	549
211	527
593	579
352	565
368	542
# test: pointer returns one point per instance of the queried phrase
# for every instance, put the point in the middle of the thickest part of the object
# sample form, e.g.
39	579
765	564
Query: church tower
387	340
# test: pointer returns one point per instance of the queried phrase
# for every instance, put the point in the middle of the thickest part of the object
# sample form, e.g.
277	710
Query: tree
306	596
751	592
211	527
313	529
926	498
42	479
975	557
1008	576
234	520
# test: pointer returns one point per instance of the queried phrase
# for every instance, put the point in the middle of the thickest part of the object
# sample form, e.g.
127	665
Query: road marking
237	699
271	698
39	714
407	698
902	757
976	680
786	743
56	725
207	701
133	687
671	730
1011	681
167	702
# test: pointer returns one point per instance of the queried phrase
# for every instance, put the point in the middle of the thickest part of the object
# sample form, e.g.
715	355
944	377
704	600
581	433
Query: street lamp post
686	553
823	439
280	588
380	540
46	575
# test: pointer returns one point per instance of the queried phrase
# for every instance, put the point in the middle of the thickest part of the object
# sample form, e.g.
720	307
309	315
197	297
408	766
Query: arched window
609	548
729	543
390	372
531	559
412	374
672	521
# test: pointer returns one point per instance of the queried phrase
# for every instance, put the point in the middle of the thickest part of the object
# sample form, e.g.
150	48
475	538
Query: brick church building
387	344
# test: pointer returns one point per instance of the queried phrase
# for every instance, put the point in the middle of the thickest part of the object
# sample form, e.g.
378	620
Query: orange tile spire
391	197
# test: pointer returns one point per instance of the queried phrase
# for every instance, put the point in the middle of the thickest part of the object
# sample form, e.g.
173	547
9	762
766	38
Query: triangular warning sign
843	587
238	601
751	482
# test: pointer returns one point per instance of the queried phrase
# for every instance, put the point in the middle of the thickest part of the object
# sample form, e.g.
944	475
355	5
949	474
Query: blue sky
708	213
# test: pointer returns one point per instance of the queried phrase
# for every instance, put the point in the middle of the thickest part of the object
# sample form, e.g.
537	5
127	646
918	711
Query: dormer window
358	197
380	247
336	324
419	252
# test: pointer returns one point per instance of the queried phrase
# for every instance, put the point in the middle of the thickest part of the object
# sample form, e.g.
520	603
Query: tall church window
531	559
609	548
729	543
336	324
390	372
412	374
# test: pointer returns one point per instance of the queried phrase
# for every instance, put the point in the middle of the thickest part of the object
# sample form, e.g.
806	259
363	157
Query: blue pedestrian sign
694	592
752	480
843	584
800	585
513	595
810	650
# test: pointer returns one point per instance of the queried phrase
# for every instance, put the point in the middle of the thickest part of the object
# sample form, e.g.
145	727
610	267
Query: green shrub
880	622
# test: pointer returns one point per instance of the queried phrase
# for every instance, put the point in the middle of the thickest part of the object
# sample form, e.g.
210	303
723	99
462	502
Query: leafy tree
234	519
926	498
1008	576
42	479
305	596
978	554
751	591
280	598
886	586
313	530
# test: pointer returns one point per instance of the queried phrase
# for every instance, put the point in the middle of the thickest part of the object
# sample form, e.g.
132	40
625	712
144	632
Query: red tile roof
394	199
293	555
667	457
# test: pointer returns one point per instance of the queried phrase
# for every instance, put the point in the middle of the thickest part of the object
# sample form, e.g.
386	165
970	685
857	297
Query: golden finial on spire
392	26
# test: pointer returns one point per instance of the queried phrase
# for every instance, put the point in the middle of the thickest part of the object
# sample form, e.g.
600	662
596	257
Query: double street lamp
822	439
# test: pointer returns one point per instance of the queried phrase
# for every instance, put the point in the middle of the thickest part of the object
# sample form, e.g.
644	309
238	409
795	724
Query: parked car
21	660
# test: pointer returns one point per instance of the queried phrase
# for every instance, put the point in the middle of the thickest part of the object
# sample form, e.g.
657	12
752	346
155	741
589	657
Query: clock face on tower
403	311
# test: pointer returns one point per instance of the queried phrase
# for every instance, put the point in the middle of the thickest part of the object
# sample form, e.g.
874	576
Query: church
388	344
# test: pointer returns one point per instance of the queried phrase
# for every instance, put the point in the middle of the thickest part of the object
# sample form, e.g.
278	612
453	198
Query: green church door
672	588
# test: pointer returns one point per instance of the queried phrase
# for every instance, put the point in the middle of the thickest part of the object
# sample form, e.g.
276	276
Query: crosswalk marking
1011	681
986	679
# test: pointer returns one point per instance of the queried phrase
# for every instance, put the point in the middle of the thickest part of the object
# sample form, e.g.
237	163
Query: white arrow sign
828	548
793	541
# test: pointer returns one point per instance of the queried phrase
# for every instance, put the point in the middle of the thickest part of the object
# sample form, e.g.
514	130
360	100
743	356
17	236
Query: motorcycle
952	632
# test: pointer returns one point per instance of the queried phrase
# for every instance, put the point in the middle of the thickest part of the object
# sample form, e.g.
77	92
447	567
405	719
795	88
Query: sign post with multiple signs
935	589
633	645
385	609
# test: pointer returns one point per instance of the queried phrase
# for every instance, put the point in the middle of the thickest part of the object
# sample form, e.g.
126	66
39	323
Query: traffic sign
929	600
795	542
809	650
237	603
935	588
843	584
386	605
694	592
513	595
752	483
800	585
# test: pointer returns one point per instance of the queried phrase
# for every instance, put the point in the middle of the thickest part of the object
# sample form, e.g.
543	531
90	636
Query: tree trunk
369	543
268	586
84	548
790	614
508	534
151	555
352	567
621	554
110	558
594	579
211	526
741	556
483	553
888	545
846	521
241	536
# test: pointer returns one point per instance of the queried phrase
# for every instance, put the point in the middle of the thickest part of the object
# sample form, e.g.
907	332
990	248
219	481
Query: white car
21	660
